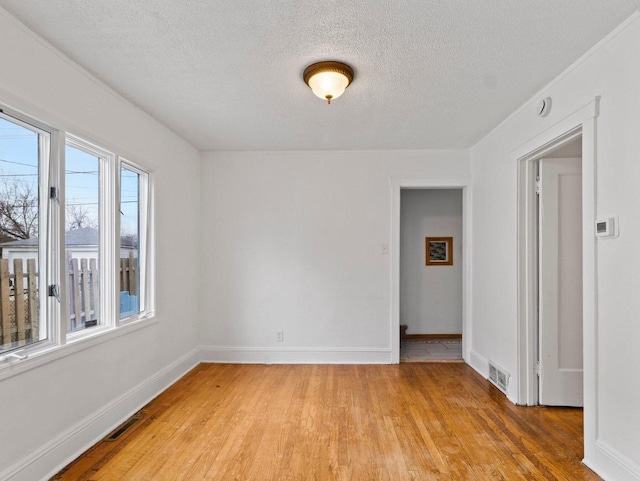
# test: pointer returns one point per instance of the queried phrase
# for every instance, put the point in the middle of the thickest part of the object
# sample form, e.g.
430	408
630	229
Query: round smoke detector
544	107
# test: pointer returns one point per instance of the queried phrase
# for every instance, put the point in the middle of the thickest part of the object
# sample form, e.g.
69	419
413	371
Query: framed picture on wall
439	251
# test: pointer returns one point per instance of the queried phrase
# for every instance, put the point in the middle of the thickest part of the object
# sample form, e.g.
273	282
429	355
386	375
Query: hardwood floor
301	422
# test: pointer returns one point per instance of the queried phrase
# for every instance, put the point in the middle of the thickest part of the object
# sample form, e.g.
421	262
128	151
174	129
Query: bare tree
79	216
18	210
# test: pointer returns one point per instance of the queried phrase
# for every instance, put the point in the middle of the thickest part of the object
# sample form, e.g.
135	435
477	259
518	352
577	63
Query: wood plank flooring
304	422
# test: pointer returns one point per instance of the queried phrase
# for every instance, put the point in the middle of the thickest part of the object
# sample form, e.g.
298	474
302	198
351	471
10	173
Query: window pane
82	238
129	242
19	231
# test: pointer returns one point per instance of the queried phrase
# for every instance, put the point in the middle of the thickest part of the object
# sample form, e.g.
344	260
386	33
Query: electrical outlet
279	336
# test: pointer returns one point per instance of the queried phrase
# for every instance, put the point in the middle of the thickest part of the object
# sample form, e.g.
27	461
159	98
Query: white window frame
46	264
106	252
146	304
52	262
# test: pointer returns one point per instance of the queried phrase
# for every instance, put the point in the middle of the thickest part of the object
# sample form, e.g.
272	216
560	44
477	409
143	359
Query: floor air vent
120	430
498	376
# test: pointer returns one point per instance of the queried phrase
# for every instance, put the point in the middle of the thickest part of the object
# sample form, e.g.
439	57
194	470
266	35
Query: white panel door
560	275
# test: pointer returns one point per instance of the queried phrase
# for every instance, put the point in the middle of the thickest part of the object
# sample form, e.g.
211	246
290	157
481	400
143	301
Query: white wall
430	296
57	409
612	70
292	241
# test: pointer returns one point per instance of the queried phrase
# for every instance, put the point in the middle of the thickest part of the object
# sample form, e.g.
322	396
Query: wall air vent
498	376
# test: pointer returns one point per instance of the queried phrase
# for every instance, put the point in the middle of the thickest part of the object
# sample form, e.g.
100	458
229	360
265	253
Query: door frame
464	184
581	123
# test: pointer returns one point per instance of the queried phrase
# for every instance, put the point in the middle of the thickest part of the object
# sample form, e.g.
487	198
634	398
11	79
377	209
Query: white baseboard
305	355
611	465
46	461
479	363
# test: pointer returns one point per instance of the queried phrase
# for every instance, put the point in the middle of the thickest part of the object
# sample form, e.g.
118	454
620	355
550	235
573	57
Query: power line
18	163
81	186
96	203
74	198
88	172
34	175
68	204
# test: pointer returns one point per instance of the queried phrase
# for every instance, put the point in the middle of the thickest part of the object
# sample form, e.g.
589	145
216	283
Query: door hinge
537	368
538	185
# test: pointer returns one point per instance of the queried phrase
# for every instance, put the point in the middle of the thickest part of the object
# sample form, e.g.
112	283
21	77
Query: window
23	154
133	237
74	236
82	236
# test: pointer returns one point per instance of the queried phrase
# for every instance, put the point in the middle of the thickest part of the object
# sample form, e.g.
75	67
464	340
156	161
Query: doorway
396	186
582	123
431	281
554	221
559	250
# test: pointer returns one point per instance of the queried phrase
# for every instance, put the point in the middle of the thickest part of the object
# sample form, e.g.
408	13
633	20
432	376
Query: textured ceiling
226	74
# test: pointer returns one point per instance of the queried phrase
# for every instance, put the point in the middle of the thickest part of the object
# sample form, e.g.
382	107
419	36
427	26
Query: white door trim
581	122
397	185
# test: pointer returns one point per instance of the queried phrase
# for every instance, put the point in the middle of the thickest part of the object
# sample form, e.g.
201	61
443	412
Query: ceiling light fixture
329	79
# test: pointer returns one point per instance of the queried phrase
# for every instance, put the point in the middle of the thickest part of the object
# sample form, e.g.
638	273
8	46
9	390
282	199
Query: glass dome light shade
328	85
328	80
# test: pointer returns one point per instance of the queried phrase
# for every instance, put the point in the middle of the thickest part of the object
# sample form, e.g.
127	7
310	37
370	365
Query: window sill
51	353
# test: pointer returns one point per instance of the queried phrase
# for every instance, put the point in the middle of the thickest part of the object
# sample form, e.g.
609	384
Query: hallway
430	350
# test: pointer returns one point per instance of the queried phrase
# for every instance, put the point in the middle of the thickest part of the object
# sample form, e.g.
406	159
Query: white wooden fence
82	293
19	297
19	322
